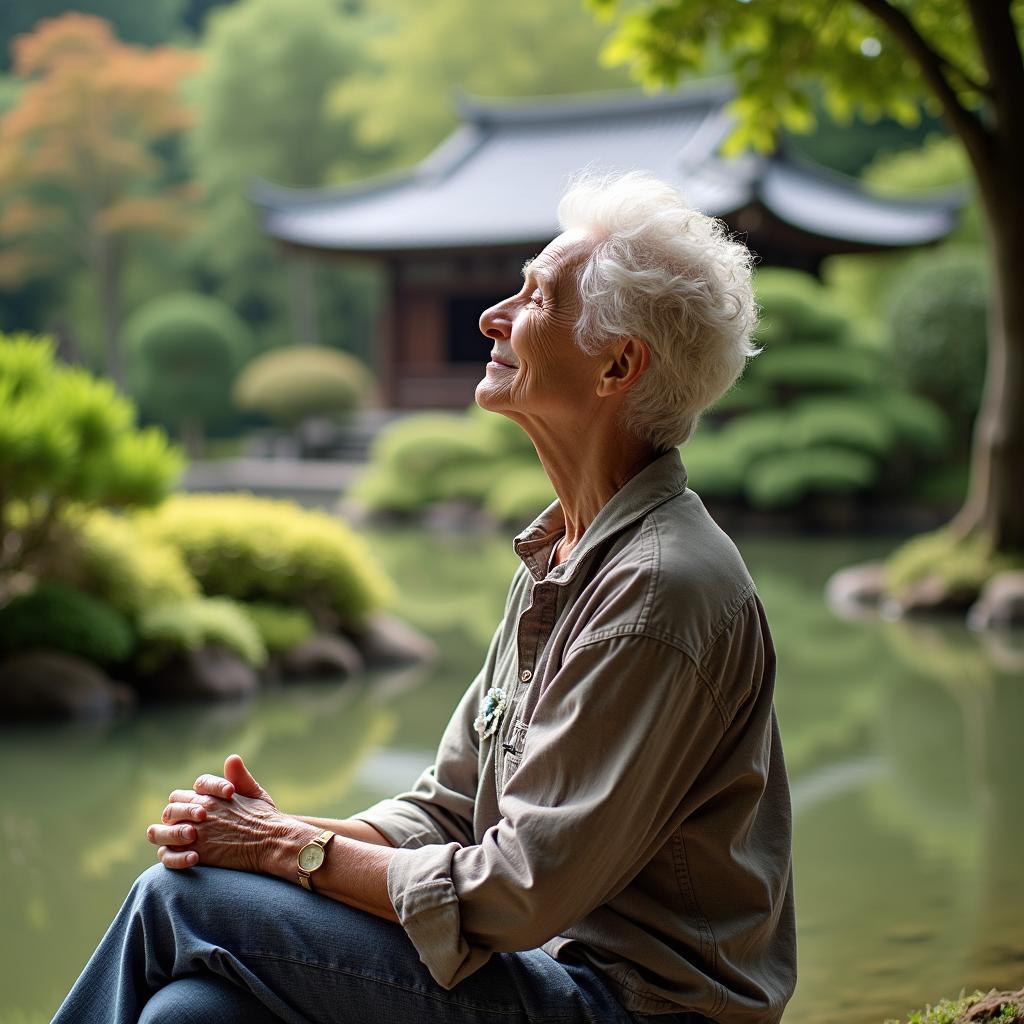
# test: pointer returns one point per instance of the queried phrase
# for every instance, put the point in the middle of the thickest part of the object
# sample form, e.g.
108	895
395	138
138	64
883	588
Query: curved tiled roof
497	179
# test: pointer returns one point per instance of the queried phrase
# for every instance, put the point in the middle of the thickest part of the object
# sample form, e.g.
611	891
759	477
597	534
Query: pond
903	747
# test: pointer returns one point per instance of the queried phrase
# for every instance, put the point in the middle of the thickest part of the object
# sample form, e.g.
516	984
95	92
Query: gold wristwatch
311	858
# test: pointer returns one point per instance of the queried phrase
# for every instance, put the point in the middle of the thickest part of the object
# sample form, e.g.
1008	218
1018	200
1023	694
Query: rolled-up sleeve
615	742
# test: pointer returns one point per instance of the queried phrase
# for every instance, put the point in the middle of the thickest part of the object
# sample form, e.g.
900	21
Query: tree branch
966	124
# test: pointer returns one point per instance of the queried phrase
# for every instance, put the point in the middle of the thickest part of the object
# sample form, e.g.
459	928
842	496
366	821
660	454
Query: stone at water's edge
1001	603
320	657
929	596
387	642
992	1005
50	684
856	591
209	673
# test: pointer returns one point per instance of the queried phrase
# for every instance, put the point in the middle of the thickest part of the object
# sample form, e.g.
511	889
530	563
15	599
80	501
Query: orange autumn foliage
79	167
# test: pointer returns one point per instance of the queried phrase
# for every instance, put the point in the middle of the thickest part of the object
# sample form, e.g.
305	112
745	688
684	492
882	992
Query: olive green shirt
621	796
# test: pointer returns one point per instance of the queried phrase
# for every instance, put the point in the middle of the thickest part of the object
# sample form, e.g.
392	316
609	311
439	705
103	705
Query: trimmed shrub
785	478
260	549
749	437
795	308
131	571
939	311
500	435
916	422
280	628
846	421
184	351
807	367
712	467
67	438
171	629
60	618
518	497
289	385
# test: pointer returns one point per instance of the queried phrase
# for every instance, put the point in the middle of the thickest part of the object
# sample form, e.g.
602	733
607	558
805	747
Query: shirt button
526	675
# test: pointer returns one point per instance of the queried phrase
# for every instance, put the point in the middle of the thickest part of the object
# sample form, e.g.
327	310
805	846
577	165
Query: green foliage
289	385
961	564
58	617
420	54
260	102
113	560
786	477
280	628
938	311
519	496
951	1011
849	422
258	549
67	438
184	350
796	308
170	629
916	423
479	458
805	366
712	468
785	54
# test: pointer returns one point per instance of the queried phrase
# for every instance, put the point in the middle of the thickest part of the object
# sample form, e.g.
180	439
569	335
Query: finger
181	796
175	812
214	785
241	777
177	859
171	835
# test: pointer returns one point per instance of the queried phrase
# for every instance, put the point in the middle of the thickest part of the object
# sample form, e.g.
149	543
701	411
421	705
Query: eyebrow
540	275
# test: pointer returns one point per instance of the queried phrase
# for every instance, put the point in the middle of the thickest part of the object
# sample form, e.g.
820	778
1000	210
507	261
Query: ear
625	361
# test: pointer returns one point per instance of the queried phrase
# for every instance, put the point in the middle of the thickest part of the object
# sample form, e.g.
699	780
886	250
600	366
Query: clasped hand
228	822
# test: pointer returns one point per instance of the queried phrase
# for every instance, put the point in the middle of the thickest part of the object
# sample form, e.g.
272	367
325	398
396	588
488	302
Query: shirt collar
658	481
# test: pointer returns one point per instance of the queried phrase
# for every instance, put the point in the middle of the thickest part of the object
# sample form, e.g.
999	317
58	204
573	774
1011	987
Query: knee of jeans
157	882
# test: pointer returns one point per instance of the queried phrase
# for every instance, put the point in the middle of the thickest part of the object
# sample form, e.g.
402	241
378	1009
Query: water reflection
902	742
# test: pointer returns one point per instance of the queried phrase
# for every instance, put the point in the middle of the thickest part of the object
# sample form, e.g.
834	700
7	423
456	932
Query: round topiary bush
260	549
57	617
184	351
938	313
289	385
110	558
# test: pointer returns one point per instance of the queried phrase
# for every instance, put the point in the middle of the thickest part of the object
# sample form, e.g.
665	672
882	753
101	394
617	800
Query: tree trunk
994	502
193	436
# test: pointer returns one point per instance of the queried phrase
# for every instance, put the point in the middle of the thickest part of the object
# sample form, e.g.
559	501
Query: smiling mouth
501	362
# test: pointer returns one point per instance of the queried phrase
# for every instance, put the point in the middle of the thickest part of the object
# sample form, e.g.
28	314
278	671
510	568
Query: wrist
281	853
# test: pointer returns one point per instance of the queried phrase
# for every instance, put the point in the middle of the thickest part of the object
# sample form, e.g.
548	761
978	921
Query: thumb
238	775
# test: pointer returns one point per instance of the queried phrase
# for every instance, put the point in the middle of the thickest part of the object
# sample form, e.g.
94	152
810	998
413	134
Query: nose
495	322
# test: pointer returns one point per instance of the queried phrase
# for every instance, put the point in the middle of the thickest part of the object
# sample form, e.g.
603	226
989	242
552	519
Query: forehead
561	254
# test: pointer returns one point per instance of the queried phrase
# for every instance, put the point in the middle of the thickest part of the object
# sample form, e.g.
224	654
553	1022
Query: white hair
671	276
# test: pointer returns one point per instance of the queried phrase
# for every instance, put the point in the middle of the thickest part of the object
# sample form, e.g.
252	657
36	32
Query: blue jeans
211	946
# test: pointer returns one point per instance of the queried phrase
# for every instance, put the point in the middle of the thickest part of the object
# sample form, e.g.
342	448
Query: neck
586	469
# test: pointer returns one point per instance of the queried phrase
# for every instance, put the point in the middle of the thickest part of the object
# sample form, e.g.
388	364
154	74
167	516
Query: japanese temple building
452	233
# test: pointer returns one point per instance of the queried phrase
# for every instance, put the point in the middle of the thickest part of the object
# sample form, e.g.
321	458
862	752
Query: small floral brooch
491	708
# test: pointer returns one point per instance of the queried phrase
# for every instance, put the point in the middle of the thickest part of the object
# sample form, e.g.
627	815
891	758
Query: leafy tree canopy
780	50
154	21
422	53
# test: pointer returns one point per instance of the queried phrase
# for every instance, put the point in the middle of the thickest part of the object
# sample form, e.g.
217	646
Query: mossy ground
1005	1009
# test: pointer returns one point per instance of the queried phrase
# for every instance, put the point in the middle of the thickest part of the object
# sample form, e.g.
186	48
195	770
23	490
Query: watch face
311	857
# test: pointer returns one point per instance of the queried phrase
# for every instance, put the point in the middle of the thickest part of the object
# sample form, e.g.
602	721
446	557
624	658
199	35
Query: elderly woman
605	834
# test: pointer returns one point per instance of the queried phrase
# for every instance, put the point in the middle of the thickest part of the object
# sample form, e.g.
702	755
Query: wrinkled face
537	372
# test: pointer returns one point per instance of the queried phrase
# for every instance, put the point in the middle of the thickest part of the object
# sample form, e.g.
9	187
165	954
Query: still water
903	745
